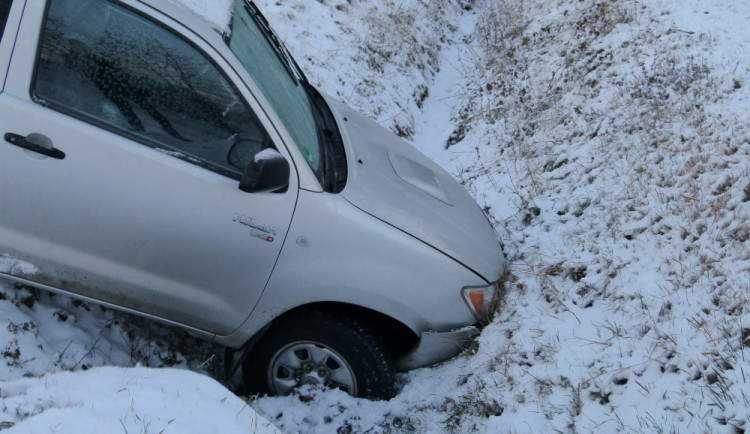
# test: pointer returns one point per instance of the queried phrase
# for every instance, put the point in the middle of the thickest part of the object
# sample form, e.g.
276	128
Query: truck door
122	141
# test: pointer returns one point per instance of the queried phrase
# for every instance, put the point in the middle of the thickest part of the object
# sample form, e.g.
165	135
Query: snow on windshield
218	13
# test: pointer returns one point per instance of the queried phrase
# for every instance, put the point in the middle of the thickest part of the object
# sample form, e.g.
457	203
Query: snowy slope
108	400
608	141
378	57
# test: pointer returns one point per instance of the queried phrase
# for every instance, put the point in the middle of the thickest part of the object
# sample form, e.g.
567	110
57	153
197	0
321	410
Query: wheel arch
395	336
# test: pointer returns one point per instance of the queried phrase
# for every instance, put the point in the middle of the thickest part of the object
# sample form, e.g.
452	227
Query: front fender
334	252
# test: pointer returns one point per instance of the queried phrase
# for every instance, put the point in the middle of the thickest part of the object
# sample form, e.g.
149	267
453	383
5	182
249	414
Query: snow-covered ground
608	140
138	400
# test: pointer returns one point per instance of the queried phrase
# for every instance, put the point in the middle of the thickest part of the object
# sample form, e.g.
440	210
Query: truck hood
392	181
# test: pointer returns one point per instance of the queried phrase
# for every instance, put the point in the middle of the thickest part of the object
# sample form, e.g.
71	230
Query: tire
318	349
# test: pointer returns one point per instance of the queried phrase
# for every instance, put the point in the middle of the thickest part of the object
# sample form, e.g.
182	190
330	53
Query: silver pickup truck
188	172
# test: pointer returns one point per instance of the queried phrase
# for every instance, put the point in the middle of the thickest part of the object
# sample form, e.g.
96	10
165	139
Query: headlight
482	300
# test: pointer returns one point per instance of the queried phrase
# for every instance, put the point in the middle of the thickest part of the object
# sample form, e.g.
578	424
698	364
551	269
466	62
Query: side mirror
268	172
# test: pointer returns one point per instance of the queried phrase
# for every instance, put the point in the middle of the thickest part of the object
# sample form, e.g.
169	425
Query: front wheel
320	350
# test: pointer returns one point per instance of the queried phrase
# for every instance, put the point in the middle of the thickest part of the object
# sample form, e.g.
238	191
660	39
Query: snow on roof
218	13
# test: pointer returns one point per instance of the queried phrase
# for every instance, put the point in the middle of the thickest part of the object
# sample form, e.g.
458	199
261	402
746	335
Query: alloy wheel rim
301	363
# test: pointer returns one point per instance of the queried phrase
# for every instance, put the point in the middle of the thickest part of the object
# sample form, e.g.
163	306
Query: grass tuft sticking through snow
622	148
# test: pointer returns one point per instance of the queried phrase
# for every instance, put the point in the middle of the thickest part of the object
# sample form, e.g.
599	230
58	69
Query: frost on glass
122	71
278	84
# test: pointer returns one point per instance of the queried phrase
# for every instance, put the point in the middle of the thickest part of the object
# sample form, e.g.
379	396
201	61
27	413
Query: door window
4	11
117	69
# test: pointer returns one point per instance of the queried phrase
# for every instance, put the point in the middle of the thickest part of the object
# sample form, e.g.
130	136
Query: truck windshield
278	78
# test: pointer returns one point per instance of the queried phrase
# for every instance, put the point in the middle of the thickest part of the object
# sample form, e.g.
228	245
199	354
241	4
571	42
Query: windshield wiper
286	58
332	145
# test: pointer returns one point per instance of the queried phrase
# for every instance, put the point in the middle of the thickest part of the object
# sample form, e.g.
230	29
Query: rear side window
4	10
119	70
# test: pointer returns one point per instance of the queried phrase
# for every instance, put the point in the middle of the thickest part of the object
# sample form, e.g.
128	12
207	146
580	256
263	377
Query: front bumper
434	347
